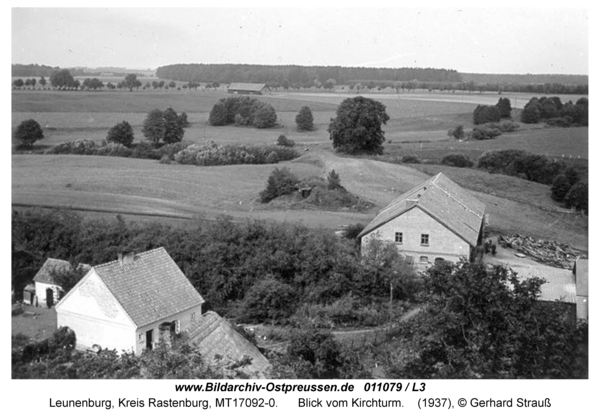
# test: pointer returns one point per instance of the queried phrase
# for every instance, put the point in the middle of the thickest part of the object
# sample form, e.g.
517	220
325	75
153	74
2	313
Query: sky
545	40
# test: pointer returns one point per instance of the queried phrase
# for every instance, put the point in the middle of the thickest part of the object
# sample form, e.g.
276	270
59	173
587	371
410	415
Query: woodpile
551	253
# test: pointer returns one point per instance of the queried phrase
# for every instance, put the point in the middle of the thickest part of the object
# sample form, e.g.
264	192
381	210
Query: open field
144	188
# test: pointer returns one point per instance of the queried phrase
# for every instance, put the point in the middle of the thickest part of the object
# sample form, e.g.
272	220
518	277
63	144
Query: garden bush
281	182
214	154
457	160
410	159
283	141
485	132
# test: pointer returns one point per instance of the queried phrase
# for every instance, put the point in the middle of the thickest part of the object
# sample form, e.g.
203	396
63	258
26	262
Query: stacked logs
551	253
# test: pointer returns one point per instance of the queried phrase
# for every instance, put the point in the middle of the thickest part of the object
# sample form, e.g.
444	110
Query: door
149	339
49	297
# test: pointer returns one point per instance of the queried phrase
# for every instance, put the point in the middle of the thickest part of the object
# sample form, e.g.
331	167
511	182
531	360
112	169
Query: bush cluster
410	159
484	132
283	141
486	114
213	154
457	160
533	167
223	260
281	182
242	111
552	111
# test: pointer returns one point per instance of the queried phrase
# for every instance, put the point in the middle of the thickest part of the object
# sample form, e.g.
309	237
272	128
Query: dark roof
214	336
150	287
246	86
443	200
44	274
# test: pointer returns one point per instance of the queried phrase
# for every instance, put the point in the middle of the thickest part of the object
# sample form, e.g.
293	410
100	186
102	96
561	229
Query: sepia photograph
254	195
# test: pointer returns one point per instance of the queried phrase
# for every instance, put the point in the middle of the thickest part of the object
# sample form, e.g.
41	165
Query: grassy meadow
418	125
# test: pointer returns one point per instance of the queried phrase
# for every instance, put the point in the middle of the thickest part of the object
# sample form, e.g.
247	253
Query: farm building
214	337
563	286
436	220
246	88
47	291
130	303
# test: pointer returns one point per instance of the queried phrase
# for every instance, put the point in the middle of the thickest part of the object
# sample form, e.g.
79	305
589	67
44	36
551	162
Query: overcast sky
491	40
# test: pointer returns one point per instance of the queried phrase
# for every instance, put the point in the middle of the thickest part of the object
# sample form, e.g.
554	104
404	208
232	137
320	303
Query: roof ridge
450	195
138	254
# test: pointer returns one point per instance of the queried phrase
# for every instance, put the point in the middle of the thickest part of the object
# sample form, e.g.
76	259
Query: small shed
246	88
29	295
48	292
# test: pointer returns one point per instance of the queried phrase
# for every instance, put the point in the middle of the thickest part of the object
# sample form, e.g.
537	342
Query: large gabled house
436	220
130	303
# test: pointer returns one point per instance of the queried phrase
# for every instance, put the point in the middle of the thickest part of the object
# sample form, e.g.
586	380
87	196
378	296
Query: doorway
149	339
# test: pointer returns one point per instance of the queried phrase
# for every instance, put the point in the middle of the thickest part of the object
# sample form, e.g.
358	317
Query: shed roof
44	274
443	200
559	286
213	335
150	288
247	86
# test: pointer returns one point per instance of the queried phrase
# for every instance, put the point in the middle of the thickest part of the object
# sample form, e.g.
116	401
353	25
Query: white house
436	220
47	291
128	303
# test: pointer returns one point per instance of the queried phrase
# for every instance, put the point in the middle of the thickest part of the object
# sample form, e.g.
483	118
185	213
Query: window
141	338
193	318
424	239
398	238
424	259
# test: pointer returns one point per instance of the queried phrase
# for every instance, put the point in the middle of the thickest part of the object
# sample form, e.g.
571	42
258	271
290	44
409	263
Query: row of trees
552	111
487	114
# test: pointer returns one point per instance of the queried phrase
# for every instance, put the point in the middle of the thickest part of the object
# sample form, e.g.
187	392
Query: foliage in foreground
56	358
226	262
482	322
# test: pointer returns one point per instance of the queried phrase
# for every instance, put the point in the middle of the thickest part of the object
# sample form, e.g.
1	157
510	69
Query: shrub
457	160
145	150
28	132
78	147
504	107
114	150
504	126
410	159
498	161
560	187
213	154
218	115
352	231
121	133
283	141
577	197
484	132
281	182
264	116
269	299
563	122
485	114
457	133
333	181
304	119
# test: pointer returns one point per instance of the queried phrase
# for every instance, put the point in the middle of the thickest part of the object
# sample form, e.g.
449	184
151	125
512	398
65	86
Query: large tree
173	128
62	79
357	126
154	126
131	82
304	119
121	133
28	132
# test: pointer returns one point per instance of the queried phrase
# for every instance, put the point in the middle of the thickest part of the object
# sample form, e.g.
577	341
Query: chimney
126	257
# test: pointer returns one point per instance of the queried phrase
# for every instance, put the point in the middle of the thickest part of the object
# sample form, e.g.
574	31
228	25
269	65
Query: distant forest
300	76
295	76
